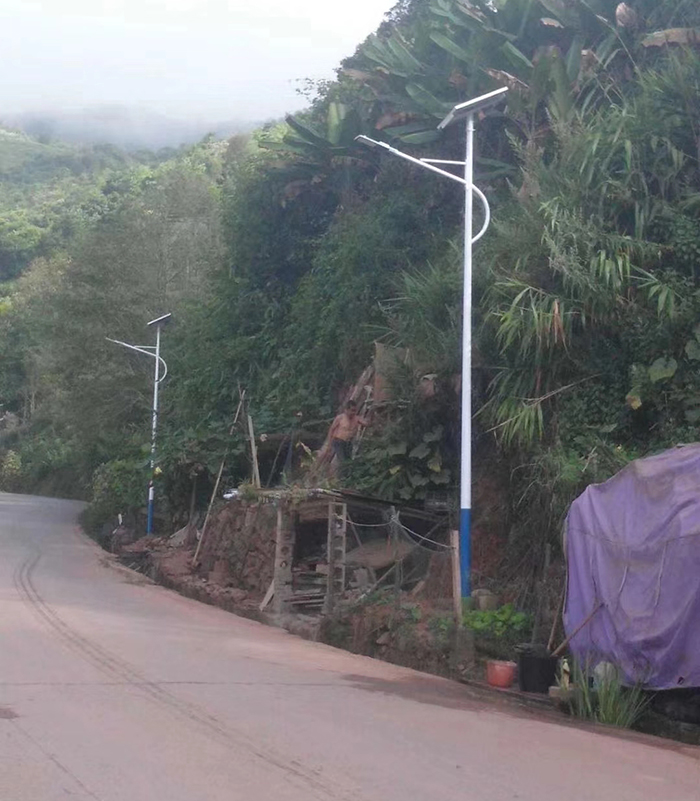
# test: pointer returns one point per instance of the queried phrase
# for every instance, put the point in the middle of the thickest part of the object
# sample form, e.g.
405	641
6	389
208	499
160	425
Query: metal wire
397	520
408	538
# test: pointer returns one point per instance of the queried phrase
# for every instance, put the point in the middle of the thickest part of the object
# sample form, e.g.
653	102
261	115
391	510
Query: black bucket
537	670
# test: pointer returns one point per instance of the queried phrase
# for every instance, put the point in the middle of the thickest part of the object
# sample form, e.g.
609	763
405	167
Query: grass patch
604	699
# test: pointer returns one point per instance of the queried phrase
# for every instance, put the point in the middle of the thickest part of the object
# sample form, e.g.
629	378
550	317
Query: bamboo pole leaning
217	482
571	636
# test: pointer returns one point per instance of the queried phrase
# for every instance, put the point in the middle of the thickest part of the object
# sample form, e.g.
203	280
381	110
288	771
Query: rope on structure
415	534
395	519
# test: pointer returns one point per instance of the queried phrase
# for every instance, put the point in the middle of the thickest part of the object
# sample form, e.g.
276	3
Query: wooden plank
456	577
337	533
330	587
284	553
379	581
268	595
341	534
254	453
310	511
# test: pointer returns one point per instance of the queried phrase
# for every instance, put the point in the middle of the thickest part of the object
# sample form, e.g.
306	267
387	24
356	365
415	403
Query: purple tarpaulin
634	544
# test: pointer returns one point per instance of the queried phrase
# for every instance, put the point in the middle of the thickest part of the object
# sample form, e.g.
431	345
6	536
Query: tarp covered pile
633	544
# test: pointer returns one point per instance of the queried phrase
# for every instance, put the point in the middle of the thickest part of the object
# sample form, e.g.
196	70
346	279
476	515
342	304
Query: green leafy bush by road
498	631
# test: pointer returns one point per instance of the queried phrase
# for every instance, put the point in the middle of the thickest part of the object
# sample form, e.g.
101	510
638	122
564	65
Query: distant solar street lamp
154	352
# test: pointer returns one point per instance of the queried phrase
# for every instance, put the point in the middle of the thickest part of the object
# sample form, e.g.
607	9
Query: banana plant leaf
426	100
564	12
336	118
307	134
449	45
285	146
516	57
402	53
383	54
410	128
421	137
344	124
573	57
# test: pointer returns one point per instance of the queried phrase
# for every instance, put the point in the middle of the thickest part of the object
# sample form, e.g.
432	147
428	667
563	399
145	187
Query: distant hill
127	128
17	149
26	160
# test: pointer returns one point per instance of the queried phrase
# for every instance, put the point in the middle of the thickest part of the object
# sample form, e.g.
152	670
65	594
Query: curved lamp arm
429	164
144	351
487	213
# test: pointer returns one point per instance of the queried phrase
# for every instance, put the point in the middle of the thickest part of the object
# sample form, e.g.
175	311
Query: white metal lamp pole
466	111
154	352
154	429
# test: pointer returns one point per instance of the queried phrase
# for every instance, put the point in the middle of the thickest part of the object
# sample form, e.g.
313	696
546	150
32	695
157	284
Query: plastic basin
500	674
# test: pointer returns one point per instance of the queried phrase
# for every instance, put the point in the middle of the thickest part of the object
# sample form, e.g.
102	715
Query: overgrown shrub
51	466
396	462
118	486
11	471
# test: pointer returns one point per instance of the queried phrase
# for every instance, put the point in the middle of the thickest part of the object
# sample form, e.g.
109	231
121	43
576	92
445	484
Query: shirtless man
343	431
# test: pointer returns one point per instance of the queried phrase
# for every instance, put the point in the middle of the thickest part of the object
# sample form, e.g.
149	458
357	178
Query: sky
213	59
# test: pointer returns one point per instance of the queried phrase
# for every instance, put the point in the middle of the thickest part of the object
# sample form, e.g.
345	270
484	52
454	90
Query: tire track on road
117	668
55	761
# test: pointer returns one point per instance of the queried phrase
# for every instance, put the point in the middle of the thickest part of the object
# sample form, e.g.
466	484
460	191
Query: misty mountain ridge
126	127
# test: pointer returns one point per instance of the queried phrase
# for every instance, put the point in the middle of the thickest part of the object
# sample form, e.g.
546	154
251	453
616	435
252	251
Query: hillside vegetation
285	255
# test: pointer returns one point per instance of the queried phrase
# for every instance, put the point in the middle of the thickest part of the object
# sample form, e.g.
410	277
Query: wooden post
398	573
341	547
336	547
393	536
456	577
193	500
330	555
284	554
254	453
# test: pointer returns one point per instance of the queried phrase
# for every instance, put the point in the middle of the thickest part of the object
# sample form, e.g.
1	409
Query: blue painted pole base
465	551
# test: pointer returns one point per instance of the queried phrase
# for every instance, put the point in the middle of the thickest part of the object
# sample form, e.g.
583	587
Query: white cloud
223	58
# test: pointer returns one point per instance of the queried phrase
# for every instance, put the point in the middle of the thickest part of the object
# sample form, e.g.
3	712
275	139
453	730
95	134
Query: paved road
118	691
